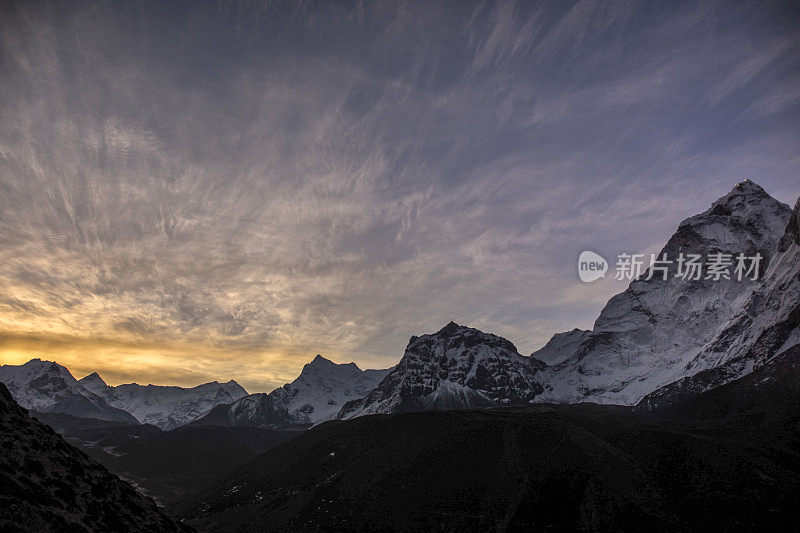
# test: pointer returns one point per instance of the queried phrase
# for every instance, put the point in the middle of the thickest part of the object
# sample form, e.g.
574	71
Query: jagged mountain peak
43	365
95	378
316	395
323	363
456	367
454	334
747	205
450	329
744	191
646	335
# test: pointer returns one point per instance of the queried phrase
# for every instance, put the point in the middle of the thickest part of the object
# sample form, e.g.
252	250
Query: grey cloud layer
309	177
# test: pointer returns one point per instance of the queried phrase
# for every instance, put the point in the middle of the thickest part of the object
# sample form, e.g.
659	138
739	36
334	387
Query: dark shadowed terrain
48	485
725	459
166	464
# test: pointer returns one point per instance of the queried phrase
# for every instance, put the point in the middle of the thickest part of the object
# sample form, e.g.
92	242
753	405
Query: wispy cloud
194	192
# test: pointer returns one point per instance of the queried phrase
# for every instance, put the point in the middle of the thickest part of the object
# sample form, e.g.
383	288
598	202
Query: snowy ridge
49	387
560	346
167	407
316	395
770	316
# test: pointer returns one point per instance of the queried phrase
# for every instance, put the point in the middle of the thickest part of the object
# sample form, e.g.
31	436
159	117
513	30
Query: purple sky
222	190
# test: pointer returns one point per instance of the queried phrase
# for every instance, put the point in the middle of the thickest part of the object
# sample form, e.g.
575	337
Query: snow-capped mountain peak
48	386
94	383
456	367
744	216
645	336
316	395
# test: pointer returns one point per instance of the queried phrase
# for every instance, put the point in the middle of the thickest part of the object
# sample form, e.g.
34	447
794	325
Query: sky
221	190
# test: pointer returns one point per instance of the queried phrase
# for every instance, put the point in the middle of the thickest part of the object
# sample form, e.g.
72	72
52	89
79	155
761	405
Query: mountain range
660	335
48	387
318	394
678	410
165	407
657	334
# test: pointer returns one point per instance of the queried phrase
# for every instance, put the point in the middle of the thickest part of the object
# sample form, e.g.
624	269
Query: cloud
222	191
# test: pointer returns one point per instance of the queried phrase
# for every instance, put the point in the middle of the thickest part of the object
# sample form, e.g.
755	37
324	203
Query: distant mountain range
318	394
49	387
657	339
165	407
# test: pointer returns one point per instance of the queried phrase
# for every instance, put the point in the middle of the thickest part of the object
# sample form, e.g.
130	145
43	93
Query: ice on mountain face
49	387
455	366
560	346
646	336
164	406
769	320
316	395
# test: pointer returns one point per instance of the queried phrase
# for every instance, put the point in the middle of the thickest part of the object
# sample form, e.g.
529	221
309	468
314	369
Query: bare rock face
456	368
47	485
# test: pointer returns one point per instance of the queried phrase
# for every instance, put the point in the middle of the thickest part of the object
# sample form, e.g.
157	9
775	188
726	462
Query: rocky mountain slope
318	393
770	391
651	334
455	368
49	387
163	406
47	485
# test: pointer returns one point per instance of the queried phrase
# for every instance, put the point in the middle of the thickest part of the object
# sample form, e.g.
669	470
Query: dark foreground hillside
48	485
722	465
166	464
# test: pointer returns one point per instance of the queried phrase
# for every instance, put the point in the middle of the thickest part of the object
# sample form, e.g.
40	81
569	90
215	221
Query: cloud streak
203	192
